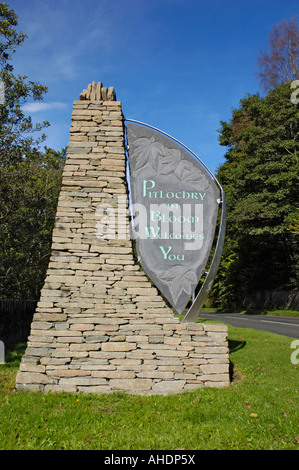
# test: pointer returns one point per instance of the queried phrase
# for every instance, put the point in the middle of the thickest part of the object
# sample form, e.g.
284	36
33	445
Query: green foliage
260	179
16	140
29	178
28	197
9	34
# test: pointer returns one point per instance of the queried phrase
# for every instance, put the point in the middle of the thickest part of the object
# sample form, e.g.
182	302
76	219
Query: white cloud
39	107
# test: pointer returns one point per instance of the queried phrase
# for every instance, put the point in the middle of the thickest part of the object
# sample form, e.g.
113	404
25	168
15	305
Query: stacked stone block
100	324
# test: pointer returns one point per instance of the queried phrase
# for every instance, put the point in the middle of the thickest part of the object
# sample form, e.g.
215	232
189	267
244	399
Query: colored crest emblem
174	206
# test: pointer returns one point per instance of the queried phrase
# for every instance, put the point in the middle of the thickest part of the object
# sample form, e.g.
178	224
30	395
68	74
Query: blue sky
179	65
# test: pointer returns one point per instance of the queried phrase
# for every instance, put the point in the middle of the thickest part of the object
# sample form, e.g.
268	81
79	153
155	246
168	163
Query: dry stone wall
100	324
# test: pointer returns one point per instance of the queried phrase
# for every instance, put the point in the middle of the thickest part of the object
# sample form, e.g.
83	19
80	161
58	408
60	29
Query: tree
28	198
30	178
260	178
8	33
281	63
16	130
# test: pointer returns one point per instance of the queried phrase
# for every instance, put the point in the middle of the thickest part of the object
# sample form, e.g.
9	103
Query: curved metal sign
174	206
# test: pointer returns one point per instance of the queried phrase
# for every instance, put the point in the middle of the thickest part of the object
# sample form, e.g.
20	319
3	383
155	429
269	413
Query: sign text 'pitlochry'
174	204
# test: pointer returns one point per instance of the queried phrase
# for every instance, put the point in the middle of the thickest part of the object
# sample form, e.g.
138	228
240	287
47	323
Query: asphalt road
286	326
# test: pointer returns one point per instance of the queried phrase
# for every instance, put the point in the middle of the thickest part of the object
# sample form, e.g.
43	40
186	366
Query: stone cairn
100	325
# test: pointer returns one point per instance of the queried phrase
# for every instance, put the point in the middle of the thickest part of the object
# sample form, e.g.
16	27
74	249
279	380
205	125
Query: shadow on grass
233	347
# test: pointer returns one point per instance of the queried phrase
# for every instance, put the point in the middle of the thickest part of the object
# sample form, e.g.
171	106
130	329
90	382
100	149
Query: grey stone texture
100	325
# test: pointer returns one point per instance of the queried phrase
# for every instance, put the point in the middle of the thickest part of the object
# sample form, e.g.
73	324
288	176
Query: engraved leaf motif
180	280
146	151
185	171
169	161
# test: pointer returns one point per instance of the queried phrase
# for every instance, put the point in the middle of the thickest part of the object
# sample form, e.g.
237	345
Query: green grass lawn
259	409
